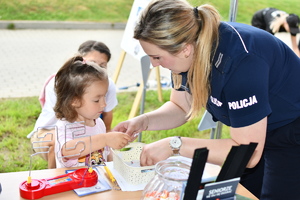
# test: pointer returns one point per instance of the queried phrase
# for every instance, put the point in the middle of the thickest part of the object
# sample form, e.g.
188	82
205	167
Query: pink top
67	131
42	97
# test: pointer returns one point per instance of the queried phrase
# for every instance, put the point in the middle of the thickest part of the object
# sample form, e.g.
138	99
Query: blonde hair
278	21
170	24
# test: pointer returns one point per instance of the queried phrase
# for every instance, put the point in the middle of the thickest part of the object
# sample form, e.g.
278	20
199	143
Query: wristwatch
175	144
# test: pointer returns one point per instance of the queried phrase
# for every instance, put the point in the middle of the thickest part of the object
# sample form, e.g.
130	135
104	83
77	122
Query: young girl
81	87
43	132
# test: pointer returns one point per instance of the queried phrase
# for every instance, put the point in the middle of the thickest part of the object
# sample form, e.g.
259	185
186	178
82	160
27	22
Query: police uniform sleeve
247	92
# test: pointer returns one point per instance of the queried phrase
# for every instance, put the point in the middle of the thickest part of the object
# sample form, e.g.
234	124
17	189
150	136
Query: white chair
208	123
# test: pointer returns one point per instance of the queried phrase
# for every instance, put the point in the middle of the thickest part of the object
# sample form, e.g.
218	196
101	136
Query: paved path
29	56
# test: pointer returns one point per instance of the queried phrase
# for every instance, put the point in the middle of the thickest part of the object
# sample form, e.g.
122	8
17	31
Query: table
10	187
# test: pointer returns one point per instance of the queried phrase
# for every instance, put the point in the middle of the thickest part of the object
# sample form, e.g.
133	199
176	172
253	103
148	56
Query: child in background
274	21
81	87
99	53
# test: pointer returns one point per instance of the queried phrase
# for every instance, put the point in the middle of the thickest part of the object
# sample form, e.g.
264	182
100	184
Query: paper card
224	190
101	186
124	185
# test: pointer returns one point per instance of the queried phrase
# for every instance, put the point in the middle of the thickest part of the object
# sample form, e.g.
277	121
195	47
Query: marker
112	178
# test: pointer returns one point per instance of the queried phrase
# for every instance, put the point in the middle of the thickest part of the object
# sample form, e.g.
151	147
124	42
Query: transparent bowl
169	181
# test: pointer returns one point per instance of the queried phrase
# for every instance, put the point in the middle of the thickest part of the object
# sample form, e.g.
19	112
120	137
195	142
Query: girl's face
93	101
95	56
176	63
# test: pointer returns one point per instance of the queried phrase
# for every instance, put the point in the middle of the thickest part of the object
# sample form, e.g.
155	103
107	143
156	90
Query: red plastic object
43	187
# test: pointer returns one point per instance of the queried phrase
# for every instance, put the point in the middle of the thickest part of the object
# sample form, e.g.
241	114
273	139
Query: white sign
219	190
129	44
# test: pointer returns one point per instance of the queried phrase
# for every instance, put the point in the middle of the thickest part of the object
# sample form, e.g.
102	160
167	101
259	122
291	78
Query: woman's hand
155	152
133	126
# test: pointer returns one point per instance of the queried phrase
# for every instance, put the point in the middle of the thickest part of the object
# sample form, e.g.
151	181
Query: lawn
119	10
18	116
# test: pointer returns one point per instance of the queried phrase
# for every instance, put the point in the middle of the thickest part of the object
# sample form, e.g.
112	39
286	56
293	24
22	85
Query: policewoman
245	77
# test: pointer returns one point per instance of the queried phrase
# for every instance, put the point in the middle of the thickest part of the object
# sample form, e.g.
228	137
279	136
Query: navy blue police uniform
255	75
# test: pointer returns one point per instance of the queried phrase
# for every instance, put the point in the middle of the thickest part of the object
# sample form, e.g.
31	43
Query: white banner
129	44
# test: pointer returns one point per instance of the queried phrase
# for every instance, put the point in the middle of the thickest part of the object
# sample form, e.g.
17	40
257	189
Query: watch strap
176	150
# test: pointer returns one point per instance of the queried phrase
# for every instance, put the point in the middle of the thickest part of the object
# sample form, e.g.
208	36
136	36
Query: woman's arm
170	115
218	148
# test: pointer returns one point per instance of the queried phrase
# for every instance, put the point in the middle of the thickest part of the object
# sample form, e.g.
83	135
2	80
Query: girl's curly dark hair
71	81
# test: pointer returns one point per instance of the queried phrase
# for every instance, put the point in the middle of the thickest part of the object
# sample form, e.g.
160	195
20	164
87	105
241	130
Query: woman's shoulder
244	36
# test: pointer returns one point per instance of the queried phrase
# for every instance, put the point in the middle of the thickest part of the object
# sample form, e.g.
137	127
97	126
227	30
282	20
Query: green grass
66	10
18	116
119	10
246	8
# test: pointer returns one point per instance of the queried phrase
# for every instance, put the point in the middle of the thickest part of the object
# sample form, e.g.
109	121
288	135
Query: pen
109	174
112	178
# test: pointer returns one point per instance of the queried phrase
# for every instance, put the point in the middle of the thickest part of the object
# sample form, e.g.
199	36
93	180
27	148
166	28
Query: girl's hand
116	140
